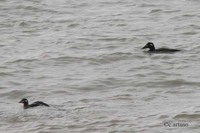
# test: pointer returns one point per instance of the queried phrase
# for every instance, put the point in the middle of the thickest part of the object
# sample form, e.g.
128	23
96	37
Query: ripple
6	74
148	5
123	97
155	11
187	116
23	60
15	94
113	57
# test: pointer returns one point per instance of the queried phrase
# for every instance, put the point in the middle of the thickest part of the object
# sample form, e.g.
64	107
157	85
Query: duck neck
25	105
152	48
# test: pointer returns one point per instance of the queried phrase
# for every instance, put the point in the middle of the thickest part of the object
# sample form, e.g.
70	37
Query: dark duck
152	49
35	104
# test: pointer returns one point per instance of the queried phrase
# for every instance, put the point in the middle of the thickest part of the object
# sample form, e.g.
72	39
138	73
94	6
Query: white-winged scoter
152	49
35	104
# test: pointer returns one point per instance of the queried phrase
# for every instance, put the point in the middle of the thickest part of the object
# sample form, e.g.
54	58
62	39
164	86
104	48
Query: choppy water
84	58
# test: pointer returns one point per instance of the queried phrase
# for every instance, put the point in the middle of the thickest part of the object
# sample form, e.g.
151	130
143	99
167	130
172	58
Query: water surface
84	58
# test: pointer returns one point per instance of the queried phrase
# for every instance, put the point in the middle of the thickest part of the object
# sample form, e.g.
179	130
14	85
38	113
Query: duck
151	47
35	104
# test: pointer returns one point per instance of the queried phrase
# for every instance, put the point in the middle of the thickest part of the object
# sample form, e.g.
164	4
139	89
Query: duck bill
144	47
20	101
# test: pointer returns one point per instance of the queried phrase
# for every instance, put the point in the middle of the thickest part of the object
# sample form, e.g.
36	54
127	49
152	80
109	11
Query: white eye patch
150	44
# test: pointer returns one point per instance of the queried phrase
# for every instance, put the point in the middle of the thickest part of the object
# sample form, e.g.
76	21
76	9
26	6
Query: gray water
84	58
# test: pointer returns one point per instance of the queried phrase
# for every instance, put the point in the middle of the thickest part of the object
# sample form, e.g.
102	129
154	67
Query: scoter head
24	101
149	45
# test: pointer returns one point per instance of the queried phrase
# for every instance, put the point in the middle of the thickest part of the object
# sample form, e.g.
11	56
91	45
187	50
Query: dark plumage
35	104
151	47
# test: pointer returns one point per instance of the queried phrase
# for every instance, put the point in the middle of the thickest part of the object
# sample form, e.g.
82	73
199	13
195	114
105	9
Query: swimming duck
151	47
35	104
